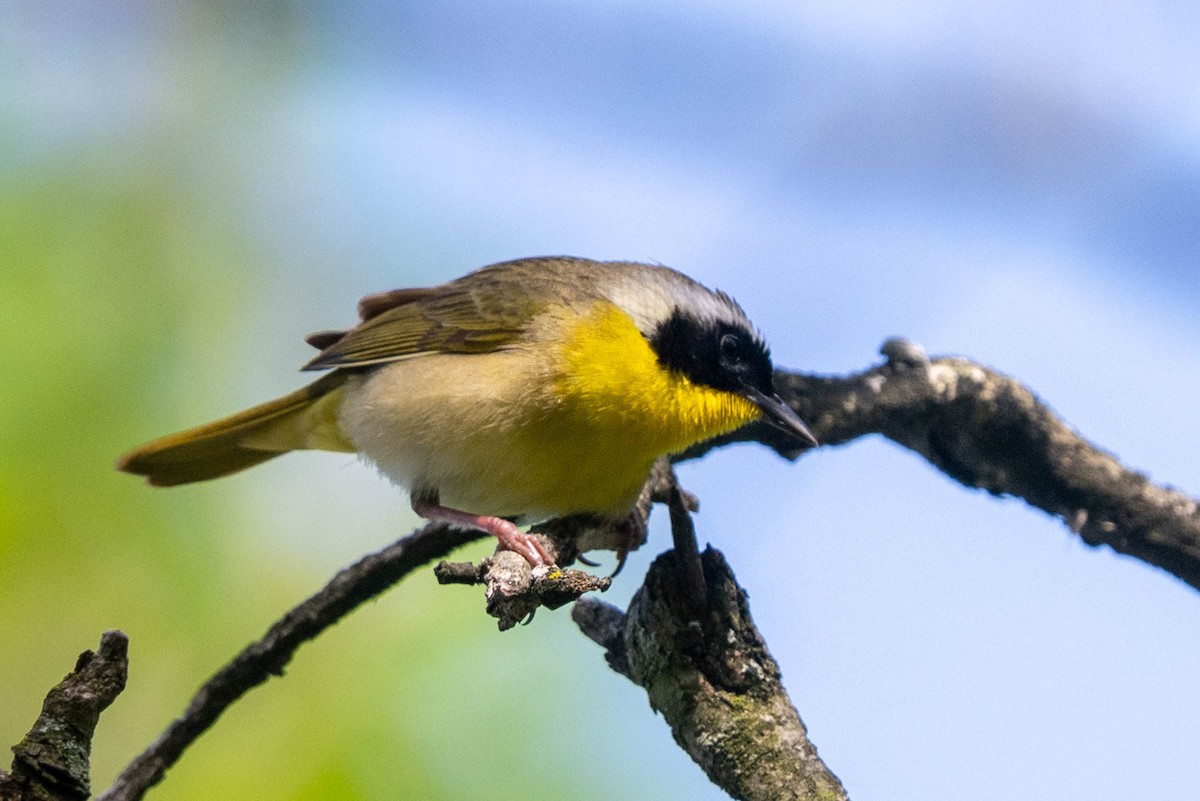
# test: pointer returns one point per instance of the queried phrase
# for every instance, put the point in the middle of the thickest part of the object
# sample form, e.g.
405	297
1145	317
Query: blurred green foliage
112	293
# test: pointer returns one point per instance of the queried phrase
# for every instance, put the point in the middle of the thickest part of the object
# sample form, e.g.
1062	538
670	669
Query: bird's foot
513	539
509	537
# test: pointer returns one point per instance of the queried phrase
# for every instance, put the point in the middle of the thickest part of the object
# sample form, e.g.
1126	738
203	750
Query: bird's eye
731	347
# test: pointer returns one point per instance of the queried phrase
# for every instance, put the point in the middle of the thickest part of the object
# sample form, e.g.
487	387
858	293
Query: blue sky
1015	182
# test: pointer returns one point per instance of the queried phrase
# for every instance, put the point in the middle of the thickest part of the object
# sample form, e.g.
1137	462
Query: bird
524	391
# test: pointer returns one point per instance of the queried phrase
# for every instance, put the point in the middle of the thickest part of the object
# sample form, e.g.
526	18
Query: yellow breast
611	379
615	410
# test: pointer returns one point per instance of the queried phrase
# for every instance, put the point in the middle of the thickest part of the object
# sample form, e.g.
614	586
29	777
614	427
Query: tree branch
51	763
988	431
705	667
269	655
721	696
346	591
515	590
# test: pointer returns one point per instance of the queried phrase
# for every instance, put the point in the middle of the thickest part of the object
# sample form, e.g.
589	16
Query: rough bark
515	590
689	641
52	762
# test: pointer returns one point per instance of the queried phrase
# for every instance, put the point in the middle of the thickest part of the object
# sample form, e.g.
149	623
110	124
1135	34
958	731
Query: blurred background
188	189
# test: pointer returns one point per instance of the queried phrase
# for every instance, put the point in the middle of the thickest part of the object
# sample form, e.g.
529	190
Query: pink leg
510	537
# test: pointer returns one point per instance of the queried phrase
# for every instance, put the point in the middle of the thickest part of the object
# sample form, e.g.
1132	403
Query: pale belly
487	443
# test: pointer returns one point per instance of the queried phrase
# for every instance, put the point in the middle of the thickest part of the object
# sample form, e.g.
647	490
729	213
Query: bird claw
529	546
632	531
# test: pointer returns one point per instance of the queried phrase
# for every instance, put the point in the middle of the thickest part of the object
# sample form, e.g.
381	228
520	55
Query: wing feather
481	313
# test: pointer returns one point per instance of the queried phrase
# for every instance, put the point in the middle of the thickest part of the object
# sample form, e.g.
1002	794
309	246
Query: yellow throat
611	380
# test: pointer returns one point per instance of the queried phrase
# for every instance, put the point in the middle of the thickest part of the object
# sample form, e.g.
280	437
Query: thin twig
267	656
515	590
688	567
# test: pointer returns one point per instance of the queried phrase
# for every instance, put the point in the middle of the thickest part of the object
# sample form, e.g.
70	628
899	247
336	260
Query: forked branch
982	428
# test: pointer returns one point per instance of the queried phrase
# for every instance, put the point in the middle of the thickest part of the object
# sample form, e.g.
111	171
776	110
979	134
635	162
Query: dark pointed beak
780	416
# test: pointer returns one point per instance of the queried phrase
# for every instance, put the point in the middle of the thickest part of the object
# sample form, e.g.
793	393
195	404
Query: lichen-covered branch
515	590
689	641
709	674
52	762
989	431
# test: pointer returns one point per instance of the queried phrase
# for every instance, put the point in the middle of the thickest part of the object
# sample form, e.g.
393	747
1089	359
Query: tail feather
304	419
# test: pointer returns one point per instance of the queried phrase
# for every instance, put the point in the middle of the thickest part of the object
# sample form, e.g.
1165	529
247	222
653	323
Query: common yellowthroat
524	391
